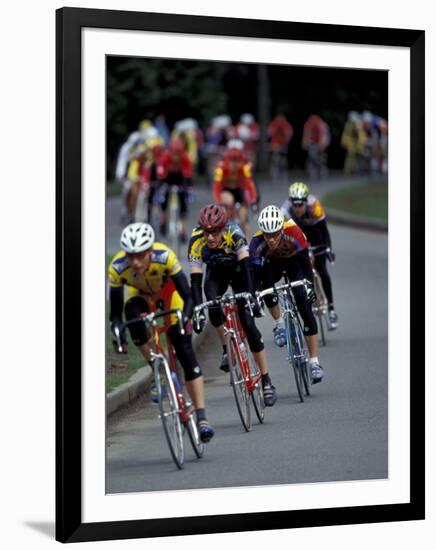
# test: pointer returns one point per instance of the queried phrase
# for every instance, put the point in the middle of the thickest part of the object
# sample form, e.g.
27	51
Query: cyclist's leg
216	284
135	306
255	341
321	267
268	276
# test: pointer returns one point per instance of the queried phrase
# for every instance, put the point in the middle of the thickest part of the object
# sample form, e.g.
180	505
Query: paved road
340	433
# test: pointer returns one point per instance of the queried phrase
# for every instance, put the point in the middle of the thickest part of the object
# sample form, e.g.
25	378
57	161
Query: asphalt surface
339	433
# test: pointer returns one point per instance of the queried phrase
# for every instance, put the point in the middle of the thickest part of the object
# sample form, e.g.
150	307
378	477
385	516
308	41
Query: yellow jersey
164	264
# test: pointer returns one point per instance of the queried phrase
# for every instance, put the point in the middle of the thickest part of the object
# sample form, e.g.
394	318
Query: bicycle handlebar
279	288
227	299
319	249
149	319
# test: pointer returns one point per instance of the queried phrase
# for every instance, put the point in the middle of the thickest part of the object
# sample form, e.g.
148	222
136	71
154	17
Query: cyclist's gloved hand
331	256
199	323
119	347
257	310
311	296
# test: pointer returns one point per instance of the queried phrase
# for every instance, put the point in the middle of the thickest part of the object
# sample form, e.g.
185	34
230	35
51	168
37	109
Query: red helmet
212	217
177	146
235	155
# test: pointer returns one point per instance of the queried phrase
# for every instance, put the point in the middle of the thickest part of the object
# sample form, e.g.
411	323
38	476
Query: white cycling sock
279	322
313	360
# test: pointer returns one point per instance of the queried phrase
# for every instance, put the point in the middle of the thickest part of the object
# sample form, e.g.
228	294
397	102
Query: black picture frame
69	525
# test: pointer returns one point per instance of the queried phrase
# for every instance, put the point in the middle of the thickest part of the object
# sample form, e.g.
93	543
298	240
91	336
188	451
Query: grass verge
368	199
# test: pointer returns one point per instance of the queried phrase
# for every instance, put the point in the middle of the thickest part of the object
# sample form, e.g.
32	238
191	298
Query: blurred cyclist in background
188	131
248	131
128	150
353	141
306	211
143	170
316	139
216	141
280	133
233	177
175	168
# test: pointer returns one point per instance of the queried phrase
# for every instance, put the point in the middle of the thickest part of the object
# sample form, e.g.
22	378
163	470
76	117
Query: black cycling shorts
182	344
216	283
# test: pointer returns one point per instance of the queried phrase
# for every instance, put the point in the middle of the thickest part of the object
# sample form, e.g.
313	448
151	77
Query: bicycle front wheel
237	379
257	393
294	352
194	436
169	411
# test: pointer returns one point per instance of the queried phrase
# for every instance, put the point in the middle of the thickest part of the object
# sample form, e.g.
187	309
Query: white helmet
235	144
244	132
247	118
270	219
137	237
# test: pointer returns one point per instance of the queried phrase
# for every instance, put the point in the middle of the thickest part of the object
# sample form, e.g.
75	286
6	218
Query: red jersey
240	178
280	132
293	240
176	164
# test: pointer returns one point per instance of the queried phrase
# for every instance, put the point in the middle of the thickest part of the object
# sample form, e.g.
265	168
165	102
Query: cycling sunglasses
212	231
298	203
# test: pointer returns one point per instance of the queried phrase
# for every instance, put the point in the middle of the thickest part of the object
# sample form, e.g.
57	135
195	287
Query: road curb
140	381
357	222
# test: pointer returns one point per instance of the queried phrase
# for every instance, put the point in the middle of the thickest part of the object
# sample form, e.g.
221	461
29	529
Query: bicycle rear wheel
293	353
194	436
242	396
169	411
257	393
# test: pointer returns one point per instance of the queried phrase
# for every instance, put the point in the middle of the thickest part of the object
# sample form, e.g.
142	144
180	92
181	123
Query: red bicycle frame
234	326
156	331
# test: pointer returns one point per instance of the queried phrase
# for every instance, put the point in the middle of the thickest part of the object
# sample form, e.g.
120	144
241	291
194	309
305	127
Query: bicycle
298	356
176	412
320	307
245	376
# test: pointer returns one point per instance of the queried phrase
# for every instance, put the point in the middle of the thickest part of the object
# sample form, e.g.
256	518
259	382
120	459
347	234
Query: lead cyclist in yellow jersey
152	274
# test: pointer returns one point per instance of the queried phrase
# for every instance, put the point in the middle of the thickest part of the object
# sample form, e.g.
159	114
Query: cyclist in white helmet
306	210
280	246
152	274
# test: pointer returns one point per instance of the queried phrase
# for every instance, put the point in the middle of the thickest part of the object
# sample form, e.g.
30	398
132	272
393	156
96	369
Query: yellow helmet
298	191
144	124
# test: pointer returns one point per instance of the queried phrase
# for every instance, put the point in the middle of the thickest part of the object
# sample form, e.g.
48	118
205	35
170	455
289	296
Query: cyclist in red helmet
175	168
233	174
223	248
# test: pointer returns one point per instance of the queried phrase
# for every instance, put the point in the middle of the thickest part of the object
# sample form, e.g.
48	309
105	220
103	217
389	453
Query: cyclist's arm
182	286
324	233
197	285
116	298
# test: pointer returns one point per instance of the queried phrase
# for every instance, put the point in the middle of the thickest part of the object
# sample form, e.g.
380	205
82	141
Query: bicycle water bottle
176	382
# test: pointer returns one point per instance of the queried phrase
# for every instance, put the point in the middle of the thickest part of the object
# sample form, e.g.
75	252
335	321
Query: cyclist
280	133
306	210
279	247
233	174
316	139
223	248
175	168
152	274
126	153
